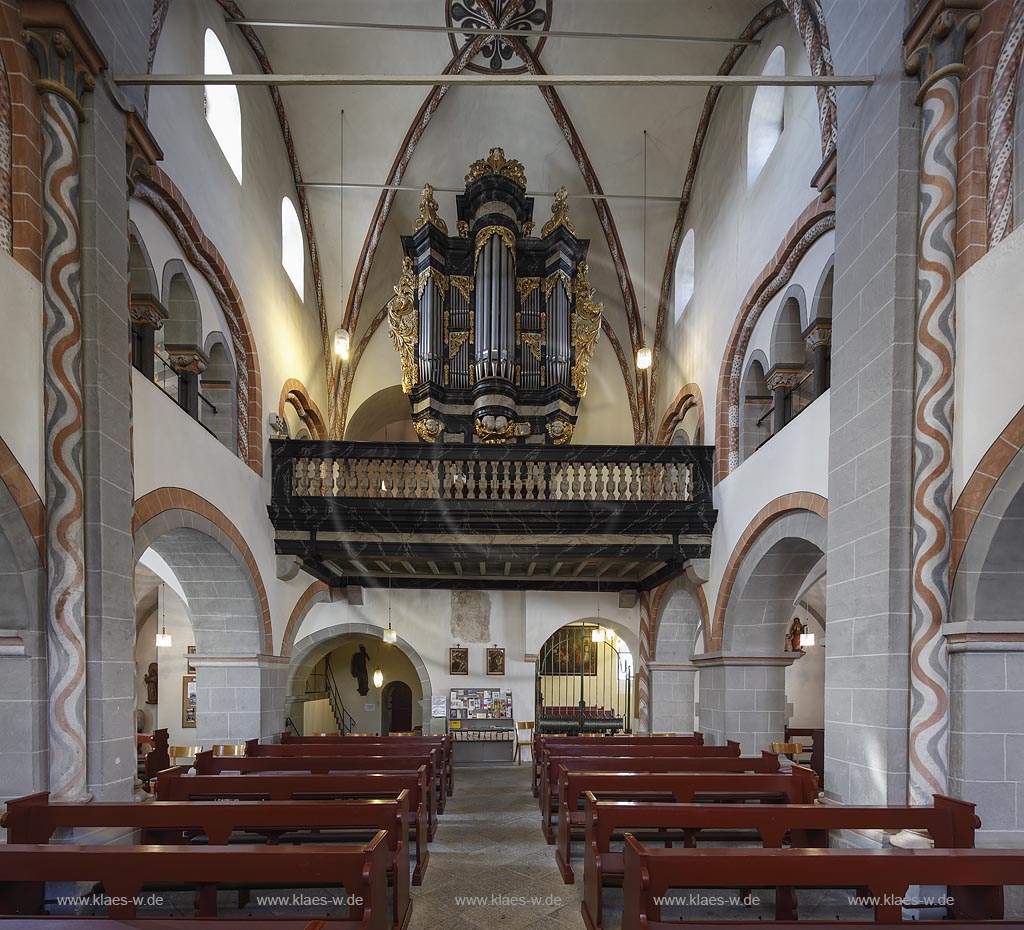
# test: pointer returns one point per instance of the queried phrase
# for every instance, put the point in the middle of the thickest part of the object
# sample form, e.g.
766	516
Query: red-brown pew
950	823
540	741
766	763
124	871
443	739
975	877
173	785
33	820
208	764
798	786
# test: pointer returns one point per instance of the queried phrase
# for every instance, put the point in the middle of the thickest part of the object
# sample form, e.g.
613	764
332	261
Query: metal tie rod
497	80
356	185
498	33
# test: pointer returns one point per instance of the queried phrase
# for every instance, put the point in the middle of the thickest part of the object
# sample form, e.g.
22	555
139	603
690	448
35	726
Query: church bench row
34	819
974	877
173	785
766	763
126	871
540	741
444	740
431	754
661	759
798	786
950	823
209	764
813	741
176	923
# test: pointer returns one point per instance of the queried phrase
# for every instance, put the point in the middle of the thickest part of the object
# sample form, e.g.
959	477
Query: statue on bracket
358	668
152	682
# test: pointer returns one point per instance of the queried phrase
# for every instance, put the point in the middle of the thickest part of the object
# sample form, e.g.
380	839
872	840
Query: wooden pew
541	740
798	786
157	759
175	923
975	877
950	823
431	755
33	820
765	763
124	871
209	764
816	747
173	785
553	757
444	739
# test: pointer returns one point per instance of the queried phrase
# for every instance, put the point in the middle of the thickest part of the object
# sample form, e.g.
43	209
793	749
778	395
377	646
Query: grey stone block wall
237	701
866	677
672	700
987	738
744	702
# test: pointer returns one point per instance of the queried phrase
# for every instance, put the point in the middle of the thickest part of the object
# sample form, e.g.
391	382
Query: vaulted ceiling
587	139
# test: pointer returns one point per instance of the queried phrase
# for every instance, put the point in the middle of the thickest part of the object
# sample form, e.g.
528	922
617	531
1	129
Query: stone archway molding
166	509
769	514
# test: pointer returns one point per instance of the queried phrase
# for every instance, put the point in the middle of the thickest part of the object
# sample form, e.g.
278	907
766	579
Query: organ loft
496	327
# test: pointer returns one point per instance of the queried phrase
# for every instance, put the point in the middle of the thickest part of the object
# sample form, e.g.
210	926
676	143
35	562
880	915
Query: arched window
684	274
223	112
292	256
766	117
756	409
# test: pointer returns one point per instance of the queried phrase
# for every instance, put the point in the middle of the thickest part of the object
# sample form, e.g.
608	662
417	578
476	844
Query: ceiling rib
489	33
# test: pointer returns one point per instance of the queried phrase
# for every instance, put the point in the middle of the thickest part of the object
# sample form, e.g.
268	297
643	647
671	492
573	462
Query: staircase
345	721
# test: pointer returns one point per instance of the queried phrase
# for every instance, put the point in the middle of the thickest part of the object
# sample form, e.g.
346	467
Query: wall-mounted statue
796	630
151	679
358	668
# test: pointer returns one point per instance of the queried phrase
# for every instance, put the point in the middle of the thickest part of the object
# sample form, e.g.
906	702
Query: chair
188	753
521	741
229	749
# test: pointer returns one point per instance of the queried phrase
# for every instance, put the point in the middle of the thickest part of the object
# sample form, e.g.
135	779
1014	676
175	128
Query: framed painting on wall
496	661
188	701
190	669
458	660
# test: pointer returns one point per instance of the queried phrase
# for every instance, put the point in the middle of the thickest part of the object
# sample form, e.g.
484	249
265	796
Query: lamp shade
644	357
597	635
378	678
806	639
163	640
342	343
390	635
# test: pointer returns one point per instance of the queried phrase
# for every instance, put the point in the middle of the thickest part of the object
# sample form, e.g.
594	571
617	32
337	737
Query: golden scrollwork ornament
585	330
428	211
495	430
497	163
405	326
559	214
429	429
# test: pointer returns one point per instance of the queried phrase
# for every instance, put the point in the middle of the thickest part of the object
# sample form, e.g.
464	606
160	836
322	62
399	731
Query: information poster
479	704
438	705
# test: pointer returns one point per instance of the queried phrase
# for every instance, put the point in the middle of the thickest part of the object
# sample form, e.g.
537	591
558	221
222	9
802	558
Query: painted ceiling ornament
497	163
531	17
405	325
428	211
559	214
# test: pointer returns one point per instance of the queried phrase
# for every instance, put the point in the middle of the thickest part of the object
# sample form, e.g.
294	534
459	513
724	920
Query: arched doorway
584	681
395	708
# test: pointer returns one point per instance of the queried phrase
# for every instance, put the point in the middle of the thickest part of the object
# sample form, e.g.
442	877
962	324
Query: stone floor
489	847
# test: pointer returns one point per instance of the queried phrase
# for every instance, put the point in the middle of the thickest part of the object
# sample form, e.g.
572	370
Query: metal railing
417	471
345	721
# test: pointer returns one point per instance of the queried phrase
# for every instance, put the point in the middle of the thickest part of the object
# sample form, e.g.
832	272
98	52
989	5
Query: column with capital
66	68
935	45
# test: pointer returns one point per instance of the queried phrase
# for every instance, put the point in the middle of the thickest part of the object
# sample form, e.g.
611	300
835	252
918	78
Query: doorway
396	708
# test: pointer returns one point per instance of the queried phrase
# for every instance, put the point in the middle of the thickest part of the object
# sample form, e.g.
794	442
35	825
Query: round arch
309	650
295	395
191	535
787	341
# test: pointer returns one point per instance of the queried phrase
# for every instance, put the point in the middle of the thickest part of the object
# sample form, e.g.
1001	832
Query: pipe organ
495	328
